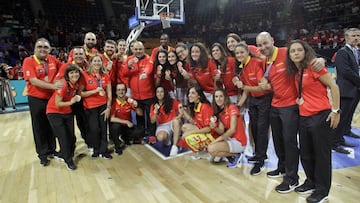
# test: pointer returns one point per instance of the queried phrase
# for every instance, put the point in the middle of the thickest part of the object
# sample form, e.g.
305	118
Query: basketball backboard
152	10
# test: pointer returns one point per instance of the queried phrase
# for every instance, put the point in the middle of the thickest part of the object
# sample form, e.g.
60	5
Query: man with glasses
40	70
89	46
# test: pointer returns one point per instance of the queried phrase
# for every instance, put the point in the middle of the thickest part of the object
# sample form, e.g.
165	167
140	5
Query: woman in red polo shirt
164	111
232	140
222	68
164	76
199	71
197	115
60	116
318	119
97	103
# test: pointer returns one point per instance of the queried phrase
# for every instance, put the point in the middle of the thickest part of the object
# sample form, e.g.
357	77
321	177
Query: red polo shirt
122	109
226	76
91	83
34	68
67	92
162	117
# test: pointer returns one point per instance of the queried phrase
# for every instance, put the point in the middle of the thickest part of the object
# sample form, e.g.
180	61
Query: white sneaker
195	156
174	150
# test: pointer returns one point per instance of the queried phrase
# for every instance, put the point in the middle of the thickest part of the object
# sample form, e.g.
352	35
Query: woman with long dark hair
230	126
164	111
180	83
163	74
223	71
318	119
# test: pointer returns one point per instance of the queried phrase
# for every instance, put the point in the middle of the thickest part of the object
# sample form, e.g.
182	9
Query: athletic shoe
252	159
305	188
71	166
95	155
106	156
317	197
216	159
236	161
118	151
174	150
44	162
257	169
275	173
195	156
286	187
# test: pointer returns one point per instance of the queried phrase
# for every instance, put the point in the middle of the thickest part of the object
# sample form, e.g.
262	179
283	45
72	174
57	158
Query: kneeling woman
60	115
232	140
197	116
164	111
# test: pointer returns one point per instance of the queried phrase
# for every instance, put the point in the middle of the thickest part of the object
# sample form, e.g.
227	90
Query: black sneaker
305	188
252	159
95	155
118	151
44	162
258	168
106	156
286	187
71	166
317	197
275	173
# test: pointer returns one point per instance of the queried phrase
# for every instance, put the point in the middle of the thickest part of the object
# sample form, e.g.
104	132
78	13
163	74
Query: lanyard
98	81
267	71
300	83
44	65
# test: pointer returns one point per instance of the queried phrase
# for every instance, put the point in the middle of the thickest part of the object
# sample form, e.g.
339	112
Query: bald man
89	46
140	71
284	112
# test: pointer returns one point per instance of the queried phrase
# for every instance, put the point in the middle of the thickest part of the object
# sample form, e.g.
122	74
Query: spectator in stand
40	70
222	69
16	73
89	46
348	79
121	125
97	103
140	71
232	140
318	118
62	56
60	116
164	45
164	111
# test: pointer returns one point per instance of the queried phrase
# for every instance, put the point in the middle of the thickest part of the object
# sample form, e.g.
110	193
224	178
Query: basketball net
165	20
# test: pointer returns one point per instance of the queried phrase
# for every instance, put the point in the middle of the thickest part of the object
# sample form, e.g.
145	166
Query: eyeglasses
91	39
42	47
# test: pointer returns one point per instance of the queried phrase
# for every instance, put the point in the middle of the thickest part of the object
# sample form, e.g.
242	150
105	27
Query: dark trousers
43	136
81	120
117	129
315	149
63	126
145	106
347	106
284	126
352	111
97	133
259	112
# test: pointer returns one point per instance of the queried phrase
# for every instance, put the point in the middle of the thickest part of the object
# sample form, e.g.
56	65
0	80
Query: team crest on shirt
118	111
41	70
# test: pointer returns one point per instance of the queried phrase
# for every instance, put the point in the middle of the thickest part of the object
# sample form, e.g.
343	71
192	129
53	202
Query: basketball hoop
165	19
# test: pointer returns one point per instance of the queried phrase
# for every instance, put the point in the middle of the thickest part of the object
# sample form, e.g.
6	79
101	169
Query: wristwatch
337	111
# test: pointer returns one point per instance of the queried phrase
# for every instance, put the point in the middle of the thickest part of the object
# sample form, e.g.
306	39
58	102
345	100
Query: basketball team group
196	97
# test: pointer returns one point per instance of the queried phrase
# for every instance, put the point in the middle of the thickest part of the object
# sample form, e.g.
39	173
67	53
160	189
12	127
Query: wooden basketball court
139	175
